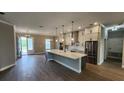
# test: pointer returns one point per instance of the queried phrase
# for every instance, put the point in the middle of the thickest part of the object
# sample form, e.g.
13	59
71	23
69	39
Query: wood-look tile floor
33	68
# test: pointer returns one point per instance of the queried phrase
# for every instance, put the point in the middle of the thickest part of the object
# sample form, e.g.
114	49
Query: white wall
105	44
7	45
115	44
68	38
100	57
113	41
81	39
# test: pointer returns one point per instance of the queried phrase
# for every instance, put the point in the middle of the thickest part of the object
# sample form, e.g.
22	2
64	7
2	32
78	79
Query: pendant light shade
72	39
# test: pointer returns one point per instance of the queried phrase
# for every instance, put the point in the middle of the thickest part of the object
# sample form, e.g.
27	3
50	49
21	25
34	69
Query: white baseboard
4	68
122	66
99	63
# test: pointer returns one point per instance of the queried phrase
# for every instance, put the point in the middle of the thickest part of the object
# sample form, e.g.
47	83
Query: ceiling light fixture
72	37
56	40
56	35
63	28
63	33
62	39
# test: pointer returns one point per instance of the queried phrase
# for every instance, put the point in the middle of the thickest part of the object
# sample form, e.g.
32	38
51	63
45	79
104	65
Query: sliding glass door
27	45
30	47
47	44
24	45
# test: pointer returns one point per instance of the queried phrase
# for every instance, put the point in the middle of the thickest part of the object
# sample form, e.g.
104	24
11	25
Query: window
30	43
47	44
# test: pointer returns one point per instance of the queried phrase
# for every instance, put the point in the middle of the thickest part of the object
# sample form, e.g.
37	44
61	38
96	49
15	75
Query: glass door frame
26	45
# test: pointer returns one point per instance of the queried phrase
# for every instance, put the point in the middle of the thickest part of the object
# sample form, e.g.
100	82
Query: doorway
47	44
114	48
27	45
24	45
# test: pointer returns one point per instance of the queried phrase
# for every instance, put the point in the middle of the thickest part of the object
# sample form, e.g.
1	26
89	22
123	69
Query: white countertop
72	55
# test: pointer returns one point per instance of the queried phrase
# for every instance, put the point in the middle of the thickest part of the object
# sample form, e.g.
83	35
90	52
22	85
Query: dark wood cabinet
91	51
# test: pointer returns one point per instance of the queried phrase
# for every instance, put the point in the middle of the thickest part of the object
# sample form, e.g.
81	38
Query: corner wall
7	45
101	37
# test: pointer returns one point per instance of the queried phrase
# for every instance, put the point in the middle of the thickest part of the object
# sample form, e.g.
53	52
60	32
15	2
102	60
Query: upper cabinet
88	34
68	38
75	36
91	33
81	37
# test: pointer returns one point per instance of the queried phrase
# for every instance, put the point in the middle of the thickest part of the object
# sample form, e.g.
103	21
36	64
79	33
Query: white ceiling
30	21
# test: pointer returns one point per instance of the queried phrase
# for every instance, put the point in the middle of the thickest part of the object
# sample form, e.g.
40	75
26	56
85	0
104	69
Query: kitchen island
72	60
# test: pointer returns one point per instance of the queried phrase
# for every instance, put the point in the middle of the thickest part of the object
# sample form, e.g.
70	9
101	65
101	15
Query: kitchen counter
72	55
72	60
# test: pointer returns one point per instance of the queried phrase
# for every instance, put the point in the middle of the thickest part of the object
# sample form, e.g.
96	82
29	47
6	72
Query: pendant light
56	35
63	33
72	36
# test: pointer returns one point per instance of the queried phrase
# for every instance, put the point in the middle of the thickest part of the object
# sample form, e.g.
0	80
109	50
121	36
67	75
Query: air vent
2	13
41	26
90	24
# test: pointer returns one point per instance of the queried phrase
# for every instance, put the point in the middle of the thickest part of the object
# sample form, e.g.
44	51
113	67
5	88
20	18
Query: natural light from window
30	43
47	44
